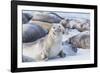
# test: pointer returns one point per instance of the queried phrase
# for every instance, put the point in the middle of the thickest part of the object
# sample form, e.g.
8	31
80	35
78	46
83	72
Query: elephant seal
46	17
82	40
78	23
48	46
32	32
45	25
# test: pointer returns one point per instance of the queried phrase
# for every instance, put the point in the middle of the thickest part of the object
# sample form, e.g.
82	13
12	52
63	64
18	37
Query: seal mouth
58	30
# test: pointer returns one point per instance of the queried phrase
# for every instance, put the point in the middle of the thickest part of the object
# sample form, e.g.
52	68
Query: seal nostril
59	29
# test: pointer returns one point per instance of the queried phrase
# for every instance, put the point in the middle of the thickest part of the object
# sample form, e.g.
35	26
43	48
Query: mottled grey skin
46	17
78	23
32	32
81	40
26	17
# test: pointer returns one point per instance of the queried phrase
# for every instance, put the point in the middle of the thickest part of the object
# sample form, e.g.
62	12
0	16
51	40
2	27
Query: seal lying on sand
46	17
45	25
78	23
32	32
69	50
82	40
48	46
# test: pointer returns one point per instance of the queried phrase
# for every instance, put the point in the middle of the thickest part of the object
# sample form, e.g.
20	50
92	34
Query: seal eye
59	26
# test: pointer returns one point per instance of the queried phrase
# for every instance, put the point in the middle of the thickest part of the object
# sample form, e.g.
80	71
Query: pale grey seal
49	46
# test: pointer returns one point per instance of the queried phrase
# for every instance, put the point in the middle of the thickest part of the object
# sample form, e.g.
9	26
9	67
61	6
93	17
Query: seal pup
47	47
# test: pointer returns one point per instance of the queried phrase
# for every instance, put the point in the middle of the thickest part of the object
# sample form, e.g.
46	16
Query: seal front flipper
62	54
44	56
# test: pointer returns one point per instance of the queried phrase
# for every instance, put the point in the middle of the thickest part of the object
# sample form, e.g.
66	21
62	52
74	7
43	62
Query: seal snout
58	30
